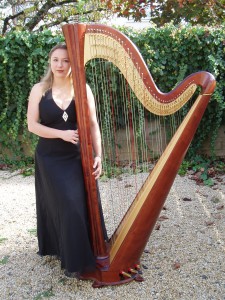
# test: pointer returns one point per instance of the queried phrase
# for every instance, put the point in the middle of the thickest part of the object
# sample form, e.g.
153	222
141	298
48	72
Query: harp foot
139	278
99	284
105	279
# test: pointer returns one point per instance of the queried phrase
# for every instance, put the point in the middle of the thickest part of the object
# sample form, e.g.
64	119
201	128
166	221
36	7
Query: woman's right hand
71	136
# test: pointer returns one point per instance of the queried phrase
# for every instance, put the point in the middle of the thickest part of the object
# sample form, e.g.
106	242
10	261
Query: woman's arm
33	119
95	134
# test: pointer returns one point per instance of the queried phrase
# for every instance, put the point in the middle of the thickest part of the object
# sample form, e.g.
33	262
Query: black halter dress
62	224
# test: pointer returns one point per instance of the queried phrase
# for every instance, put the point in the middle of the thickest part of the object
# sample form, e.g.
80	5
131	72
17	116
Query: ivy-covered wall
23	59
171	53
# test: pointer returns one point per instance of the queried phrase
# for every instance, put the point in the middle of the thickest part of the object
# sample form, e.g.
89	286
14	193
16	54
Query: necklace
65	116
61	95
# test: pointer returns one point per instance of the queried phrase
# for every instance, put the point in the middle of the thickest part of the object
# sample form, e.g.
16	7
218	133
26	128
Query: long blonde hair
47	79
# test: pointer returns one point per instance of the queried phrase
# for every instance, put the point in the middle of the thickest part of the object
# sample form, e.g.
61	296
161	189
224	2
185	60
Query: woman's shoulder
88	87
38	88
37	92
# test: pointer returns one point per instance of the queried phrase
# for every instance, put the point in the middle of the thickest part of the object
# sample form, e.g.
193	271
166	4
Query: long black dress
62	224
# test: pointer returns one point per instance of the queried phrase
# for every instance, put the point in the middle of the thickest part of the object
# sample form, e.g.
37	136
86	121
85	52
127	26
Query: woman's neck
61	83
62	91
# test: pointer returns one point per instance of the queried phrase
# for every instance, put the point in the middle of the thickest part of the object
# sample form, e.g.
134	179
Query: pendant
65	116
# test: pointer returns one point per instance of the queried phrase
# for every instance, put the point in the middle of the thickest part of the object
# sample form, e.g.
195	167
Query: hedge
171	53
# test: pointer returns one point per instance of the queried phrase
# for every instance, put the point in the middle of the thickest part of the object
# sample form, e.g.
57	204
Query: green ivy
23	58
174	52
170	52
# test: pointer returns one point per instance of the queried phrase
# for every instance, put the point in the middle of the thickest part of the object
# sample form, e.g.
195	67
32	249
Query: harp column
74	35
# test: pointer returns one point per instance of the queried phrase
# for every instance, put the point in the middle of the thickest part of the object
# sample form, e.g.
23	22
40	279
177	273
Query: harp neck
108	43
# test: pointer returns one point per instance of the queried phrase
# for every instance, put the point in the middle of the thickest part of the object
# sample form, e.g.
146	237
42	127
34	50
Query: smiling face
60	64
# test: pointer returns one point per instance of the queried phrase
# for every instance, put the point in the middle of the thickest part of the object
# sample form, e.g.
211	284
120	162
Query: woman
62	224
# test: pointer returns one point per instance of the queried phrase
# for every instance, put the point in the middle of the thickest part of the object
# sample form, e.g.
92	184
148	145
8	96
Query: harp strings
132	137
117	116
126	154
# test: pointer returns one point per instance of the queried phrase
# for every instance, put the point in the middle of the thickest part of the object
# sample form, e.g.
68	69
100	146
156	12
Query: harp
118	259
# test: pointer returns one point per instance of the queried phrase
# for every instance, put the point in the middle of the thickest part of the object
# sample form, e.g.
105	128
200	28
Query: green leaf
4	260
45	294
33	231
2	240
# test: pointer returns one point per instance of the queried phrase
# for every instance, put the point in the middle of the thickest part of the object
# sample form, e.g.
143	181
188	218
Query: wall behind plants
171	53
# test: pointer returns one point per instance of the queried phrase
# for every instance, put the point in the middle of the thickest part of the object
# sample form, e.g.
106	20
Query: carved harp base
108	278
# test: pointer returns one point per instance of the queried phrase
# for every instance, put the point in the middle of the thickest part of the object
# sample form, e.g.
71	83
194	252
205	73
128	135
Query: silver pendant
65	116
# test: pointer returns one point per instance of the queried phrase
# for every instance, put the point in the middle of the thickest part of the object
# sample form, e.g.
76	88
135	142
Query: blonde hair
47	79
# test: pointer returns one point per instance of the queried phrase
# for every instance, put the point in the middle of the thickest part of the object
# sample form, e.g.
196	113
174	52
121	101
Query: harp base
108	278
102	263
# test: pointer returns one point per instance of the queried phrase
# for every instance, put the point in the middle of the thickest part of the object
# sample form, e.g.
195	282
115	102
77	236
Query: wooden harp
118	259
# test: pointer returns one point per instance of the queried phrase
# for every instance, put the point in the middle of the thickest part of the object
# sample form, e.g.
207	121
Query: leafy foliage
193	12
162	12
174	52
202	169
171	53
23	59
38	15
35	15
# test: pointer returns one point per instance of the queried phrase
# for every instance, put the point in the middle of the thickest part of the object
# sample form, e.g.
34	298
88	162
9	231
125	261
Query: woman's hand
71	136
97	166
